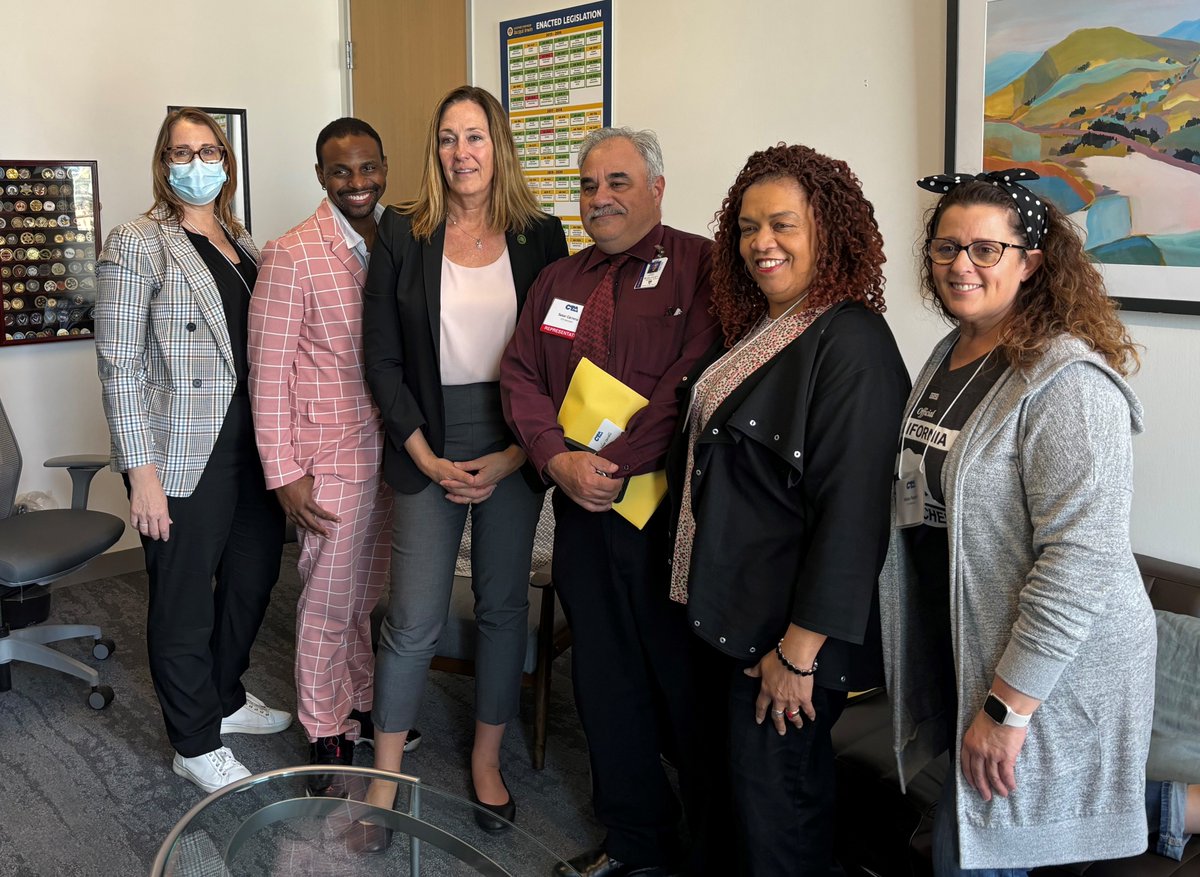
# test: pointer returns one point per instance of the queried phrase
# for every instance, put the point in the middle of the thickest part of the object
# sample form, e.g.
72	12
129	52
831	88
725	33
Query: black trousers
782	787
634	685
199	636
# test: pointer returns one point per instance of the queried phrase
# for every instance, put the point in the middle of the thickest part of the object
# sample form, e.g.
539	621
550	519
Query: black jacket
402	332
791	494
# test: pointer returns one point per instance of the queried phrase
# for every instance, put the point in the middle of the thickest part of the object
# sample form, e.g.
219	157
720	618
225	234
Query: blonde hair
166	201
513	206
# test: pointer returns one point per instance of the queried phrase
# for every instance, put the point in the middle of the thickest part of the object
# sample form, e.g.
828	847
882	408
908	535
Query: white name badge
910	499
652	272
563	318
605	433
910	490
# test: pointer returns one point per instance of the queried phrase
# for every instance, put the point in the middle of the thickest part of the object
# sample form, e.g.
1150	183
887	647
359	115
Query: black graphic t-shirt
930	430
932	427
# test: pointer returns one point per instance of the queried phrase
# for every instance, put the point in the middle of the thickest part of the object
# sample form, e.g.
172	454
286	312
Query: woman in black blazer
780	481
447	279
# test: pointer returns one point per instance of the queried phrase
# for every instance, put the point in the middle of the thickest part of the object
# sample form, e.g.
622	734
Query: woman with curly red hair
781	476
1018	634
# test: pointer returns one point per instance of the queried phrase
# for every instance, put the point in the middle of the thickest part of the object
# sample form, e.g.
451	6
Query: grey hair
645	142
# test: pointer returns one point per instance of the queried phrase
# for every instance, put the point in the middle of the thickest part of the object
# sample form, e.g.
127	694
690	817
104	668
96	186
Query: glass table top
268	825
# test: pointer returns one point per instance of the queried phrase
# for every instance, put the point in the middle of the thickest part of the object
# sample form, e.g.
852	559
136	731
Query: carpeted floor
92	793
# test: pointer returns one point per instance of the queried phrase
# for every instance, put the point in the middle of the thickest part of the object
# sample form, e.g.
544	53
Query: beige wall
717	85
862	81
116	67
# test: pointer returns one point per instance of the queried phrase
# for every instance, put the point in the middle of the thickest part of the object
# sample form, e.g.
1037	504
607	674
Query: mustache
605	211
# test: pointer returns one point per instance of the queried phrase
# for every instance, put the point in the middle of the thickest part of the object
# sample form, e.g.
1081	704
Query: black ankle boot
336	750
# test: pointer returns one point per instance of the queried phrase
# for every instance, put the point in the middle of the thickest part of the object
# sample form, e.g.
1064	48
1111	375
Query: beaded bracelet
783	660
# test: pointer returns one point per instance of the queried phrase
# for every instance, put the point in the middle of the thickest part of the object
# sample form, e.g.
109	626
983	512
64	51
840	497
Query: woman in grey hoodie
1017	632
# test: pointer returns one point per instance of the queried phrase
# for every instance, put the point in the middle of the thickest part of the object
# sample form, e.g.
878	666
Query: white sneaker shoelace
223	762
256	706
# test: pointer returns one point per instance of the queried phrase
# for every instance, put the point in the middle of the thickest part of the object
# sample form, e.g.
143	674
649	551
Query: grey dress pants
426	531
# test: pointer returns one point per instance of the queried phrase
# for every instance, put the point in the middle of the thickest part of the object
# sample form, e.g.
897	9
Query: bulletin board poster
556	78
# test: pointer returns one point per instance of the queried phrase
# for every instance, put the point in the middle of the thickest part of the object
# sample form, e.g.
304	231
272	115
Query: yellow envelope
643	493
596	409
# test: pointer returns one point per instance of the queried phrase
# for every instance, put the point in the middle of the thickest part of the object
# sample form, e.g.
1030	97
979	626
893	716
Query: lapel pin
520	239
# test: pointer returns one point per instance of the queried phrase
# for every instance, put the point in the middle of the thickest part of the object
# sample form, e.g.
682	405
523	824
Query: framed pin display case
49	237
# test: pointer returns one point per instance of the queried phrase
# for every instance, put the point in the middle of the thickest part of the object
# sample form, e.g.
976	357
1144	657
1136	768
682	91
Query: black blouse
234	282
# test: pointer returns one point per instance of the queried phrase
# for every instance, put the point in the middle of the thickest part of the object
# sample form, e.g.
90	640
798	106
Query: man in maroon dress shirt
636	304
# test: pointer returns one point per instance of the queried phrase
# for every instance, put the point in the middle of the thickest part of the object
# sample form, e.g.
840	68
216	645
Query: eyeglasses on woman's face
983	254
185	154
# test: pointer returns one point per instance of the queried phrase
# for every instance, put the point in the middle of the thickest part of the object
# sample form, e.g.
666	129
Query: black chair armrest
82	468
95	462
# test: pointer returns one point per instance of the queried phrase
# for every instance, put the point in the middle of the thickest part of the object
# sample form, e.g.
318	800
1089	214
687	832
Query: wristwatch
1002	714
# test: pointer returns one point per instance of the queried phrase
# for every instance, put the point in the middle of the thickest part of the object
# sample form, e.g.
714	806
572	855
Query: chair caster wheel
103	648
100	697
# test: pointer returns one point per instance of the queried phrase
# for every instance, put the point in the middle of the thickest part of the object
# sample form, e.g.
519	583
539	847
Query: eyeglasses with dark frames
185	154
983	254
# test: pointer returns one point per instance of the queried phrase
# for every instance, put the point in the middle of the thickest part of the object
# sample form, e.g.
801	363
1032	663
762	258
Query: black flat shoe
596	863
507	812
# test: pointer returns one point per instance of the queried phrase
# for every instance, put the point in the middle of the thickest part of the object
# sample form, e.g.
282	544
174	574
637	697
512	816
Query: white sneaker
212	770
255	717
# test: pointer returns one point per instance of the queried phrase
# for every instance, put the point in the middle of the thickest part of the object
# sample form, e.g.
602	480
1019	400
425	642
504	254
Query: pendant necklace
228	261
763	328
478	241
760	330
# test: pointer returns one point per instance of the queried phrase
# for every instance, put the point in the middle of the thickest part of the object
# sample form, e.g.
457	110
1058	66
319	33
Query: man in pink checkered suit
320	437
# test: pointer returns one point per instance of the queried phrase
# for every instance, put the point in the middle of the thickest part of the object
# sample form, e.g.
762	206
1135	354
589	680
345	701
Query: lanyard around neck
925	391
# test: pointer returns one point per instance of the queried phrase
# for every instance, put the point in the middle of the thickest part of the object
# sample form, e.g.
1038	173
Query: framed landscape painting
1102	99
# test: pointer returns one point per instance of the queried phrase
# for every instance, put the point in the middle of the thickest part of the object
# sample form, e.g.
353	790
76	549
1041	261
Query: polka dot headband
1028	206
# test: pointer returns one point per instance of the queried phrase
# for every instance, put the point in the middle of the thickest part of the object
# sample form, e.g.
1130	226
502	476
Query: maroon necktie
595	326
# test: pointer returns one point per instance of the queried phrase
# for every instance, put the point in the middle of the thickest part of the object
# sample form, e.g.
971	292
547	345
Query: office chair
37	548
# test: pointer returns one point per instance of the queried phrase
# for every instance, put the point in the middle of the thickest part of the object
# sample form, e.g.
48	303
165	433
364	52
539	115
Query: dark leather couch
882	832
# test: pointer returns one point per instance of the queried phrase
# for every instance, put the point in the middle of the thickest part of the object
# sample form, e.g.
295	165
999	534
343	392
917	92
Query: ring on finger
777	712
792	714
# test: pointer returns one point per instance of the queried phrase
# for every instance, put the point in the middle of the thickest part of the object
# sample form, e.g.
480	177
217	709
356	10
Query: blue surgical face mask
197	182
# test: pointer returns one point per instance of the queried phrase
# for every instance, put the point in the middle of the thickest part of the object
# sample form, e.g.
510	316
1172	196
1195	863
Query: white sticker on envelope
607	432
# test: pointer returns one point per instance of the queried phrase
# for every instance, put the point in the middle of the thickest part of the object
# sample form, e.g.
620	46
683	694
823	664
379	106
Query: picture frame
233	124
49	239
1150	288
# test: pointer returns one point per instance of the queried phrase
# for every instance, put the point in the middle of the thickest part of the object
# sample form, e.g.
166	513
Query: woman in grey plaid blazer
171	333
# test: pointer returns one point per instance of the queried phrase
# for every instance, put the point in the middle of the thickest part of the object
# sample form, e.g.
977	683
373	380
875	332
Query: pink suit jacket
312	410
